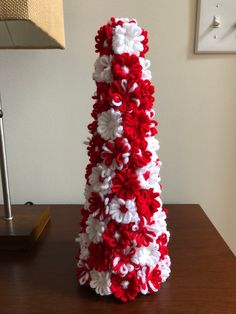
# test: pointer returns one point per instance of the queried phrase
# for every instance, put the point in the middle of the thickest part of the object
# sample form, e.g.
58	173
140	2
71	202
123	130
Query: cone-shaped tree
123	237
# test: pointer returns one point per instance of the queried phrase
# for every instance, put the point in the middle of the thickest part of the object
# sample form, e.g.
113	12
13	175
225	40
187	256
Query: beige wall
47	103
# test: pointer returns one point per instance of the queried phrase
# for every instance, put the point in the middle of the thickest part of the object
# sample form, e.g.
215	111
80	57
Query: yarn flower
101	282
126	66
116	153
164	267
146	90
104	40
127	38
147	255
96	204
109	124
125	288
118	236
102	71
94	149
146	233
100	178
147	203
98	257
121	261
140	155
146	73
124	95
150	280
123	211
94	229
136	124
125	184
149	176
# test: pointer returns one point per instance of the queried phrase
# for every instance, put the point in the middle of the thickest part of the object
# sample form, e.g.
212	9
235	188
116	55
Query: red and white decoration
123	238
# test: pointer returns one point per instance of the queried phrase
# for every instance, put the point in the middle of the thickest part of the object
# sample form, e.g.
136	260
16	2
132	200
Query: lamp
25	24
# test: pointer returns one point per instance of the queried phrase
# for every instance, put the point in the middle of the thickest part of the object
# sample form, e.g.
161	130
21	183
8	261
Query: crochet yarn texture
123	237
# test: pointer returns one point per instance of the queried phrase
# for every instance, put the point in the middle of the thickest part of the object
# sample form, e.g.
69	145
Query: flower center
125	69
105	44
123	209
146	175
124	284
117	236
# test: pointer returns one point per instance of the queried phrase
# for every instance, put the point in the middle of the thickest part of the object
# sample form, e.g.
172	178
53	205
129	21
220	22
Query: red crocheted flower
145	44
125	184
162	239
102	102
117	150
136	124
88	171
163	249
99	256
125	288
96	204
118	235
114	22
81	272
143	235
154	277
104	40
94	149
102	91
126	66
99	107
147	204
140	156
146	90
122	260
92	127
124	95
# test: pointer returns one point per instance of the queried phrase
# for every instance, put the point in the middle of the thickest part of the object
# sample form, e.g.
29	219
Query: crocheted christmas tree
123	238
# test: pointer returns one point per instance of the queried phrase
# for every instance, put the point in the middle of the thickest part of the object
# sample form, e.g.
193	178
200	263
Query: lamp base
25	228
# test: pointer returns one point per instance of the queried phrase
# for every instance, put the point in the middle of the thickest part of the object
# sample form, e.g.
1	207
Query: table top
203	278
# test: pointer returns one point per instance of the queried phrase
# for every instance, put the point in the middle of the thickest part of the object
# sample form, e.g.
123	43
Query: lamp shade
29	24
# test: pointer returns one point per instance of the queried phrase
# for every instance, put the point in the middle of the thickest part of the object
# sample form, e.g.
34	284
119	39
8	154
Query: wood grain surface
203	278
22	232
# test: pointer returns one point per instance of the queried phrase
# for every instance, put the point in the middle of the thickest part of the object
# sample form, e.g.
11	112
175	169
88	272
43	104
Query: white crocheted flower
149	176
147	255
146	73
87	193
153	143
101	282
159	218
125	19
100	179
102	71
95	229
123	211
83	240
164	267
109	124
127	38
85	273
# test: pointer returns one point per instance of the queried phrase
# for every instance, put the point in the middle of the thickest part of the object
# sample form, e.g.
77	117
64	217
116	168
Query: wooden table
203	276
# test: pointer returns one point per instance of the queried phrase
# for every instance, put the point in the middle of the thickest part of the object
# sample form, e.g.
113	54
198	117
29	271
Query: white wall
47	106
